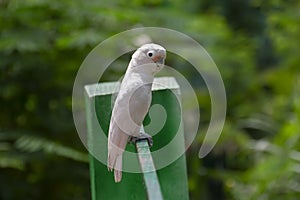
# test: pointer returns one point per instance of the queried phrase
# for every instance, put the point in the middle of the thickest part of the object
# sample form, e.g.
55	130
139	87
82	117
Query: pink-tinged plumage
132	103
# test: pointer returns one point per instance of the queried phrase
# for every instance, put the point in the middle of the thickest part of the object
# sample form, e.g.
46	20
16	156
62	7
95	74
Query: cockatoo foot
141	136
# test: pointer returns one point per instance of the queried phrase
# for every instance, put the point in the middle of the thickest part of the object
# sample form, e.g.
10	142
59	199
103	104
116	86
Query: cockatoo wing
129	111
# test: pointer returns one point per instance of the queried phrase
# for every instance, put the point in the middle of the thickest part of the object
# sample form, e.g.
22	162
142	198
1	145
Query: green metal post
150	178
149	173
172	178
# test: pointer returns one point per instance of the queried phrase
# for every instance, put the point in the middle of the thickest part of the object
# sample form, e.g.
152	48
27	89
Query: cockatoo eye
150	54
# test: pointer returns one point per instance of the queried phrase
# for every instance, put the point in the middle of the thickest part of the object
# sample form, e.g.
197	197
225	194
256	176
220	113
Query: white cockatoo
132	102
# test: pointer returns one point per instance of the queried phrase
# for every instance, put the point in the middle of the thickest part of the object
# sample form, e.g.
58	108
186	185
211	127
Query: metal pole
148	168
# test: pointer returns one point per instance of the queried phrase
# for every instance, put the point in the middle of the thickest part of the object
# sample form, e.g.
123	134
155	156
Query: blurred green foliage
255	44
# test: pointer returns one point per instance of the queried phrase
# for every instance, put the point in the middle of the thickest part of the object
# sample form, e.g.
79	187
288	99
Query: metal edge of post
149	172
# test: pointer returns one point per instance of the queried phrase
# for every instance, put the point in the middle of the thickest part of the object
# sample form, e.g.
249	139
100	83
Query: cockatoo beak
159	59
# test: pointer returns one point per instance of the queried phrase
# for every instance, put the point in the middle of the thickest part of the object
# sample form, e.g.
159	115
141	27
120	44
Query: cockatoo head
152	54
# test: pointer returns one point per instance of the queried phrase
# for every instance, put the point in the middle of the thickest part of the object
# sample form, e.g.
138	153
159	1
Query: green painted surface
172	178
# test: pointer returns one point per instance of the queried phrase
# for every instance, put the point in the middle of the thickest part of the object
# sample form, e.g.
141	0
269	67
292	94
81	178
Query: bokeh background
255	44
